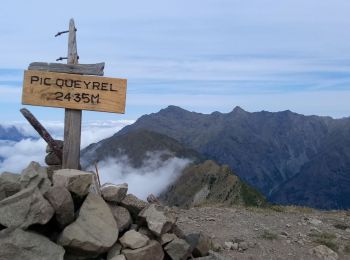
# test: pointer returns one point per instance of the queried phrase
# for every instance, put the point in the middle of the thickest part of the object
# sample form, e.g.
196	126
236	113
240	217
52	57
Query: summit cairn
61	219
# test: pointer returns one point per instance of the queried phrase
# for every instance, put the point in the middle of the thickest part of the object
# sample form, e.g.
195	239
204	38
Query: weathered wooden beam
83	69
42	132
72	118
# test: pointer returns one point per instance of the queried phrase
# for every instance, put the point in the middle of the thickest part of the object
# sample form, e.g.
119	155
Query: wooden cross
67	86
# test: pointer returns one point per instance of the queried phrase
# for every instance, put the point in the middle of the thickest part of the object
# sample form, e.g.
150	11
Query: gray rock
62	202
323	252
95	230
243	246
77	182
25	208
178	249
59	144
148	233
200	244
114	193
133	204
121	216
133	240
153	251
16	244
52	159
166	238
9	184
35	176
158	219
114	252
228	245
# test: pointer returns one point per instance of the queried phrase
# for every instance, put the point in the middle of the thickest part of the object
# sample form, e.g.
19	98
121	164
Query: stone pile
61	216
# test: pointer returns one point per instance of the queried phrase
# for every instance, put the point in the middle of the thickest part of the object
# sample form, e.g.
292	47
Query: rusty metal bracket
42	132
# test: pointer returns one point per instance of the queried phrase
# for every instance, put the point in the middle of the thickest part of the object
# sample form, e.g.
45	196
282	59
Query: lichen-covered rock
62	202
114	193
16	244
94	231
25	208
77	182
158	219
153	251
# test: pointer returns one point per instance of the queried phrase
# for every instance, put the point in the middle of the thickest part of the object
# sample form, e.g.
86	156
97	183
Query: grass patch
326	239
268	235
291	209
341	226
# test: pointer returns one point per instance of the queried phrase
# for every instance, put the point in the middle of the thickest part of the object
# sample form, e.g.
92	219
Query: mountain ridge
266	149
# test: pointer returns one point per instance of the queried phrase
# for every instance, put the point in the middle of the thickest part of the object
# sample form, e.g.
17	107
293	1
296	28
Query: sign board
41	88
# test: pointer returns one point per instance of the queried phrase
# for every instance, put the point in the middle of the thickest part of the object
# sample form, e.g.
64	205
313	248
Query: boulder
133	240
94	231
158	219
52	159
9	184
77	182
25	208
166	238
178	249
16	244
153	251
323	252
200	243
35	176
121	216
114	252
133	204
62	202
114	193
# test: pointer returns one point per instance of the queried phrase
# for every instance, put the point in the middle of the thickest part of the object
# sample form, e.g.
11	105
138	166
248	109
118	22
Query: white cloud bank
152	178
17	155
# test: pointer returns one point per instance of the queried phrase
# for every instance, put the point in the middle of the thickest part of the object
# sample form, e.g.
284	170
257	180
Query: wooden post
72	117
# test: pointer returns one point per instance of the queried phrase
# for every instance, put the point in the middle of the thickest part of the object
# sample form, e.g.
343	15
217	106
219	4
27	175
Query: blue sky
203	55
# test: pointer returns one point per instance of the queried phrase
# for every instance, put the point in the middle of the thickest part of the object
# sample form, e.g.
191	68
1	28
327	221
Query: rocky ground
276	233
66	215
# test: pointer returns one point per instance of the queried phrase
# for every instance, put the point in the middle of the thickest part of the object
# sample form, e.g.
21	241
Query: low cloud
152	178
15	156
18	155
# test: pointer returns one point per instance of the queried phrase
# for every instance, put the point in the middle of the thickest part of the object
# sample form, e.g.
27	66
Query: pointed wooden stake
72	118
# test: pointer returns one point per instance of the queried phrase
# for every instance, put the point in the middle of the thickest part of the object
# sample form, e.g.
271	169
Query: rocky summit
67	219
57	219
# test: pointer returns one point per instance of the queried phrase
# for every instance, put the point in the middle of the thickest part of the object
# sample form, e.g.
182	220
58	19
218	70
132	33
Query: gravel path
283	233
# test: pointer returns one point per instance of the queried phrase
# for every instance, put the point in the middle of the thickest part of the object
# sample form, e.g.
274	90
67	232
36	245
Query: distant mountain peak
238	109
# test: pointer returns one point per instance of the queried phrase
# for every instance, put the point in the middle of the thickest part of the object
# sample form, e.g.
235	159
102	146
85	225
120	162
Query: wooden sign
74	91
